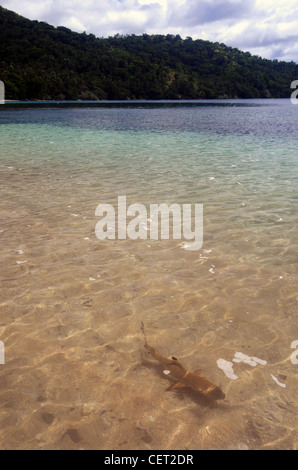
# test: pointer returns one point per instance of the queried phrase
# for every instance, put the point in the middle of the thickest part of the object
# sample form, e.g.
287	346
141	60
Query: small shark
185	378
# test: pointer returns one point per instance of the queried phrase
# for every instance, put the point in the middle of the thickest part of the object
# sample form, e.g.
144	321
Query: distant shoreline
146	104
161	101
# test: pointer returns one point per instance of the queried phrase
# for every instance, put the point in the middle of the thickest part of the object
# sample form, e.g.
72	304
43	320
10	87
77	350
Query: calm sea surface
76	375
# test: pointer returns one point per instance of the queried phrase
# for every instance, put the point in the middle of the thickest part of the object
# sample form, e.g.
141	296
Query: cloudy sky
268	28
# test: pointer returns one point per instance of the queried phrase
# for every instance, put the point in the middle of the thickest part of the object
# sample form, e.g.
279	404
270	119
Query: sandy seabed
76	375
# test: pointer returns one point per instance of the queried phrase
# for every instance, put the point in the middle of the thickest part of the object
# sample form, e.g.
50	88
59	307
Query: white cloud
265	27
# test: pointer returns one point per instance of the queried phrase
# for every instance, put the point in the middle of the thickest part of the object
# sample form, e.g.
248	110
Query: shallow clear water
76	374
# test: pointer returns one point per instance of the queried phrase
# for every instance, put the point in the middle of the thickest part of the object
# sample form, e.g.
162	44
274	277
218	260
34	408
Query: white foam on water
278	382
186	246
227	368
239	357
22	262
20	252
252	361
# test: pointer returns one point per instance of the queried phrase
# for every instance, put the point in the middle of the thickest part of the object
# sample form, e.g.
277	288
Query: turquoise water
239	159
71	306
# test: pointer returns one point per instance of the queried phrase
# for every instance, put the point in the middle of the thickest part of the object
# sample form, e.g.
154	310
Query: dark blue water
263	118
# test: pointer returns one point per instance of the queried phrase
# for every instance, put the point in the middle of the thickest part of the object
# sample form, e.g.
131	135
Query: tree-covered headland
39	61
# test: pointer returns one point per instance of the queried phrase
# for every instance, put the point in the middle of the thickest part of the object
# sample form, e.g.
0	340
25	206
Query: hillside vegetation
39	61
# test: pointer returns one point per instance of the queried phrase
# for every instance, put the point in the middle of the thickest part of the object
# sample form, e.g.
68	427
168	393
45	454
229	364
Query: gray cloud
265	27
195	12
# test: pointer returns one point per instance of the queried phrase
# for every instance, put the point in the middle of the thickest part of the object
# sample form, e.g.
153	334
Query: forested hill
39	61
